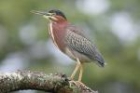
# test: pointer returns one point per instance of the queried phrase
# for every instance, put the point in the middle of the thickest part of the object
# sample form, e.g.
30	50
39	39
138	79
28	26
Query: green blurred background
114	25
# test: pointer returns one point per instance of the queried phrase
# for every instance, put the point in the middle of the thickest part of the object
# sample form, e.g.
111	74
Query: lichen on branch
53	83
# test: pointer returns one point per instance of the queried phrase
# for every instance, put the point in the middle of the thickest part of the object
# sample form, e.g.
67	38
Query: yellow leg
81	73
76	69
78	66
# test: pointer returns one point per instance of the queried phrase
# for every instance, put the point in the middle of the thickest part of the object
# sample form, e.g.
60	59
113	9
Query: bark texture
53	83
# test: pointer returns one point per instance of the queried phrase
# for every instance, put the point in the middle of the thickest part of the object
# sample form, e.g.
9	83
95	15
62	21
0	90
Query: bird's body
74	43
71	40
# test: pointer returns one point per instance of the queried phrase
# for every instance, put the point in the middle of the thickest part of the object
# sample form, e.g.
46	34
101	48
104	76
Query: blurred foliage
26	34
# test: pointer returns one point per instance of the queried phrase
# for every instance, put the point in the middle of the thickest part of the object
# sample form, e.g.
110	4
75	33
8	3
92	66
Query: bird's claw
77	83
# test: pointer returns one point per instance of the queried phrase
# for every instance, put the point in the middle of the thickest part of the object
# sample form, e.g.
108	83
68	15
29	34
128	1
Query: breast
57	33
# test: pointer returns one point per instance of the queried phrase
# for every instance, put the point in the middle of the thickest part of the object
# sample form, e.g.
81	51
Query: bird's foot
77	83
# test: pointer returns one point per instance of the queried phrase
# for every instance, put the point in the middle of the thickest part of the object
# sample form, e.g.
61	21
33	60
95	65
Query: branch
54	83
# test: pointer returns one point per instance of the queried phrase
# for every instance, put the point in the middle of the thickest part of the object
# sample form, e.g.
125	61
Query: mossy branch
53	83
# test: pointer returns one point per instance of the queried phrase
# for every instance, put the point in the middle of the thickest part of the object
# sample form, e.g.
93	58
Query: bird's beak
44	14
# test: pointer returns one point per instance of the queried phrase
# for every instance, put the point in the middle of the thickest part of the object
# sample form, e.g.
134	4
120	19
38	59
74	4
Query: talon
69	79
77	83
72	82
81	84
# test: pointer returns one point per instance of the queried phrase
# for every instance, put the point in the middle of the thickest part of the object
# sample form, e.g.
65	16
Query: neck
57	32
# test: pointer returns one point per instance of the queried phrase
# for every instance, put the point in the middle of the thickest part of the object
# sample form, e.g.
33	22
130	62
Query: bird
71	40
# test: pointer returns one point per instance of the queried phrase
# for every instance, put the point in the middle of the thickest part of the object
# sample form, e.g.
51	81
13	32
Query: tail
100	60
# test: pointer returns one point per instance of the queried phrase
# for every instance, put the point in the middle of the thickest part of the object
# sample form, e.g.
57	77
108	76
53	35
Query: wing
76	41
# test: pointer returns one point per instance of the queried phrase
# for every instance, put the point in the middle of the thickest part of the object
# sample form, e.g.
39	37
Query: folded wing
76	41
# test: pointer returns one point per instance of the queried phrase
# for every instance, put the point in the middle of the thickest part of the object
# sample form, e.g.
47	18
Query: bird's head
52	15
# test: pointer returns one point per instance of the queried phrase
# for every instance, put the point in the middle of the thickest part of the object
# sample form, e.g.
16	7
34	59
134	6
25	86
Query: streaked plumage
77	42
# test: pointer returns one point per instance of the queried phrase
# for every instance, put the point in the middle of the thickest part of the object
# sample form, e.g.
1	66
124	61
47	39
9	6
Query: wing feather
76	41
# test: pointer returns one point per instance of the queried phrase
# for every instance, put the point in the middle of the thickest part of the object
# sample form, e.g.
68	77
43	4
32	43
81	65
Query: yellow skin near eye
51	16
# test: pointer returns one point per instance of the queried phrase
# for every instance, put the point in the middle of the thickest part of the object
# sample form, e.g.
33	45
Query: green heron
71	41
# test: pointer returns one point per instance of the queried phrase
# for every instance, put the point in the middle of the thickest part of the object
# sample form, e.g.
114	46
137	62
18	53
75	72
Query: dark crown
58	12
